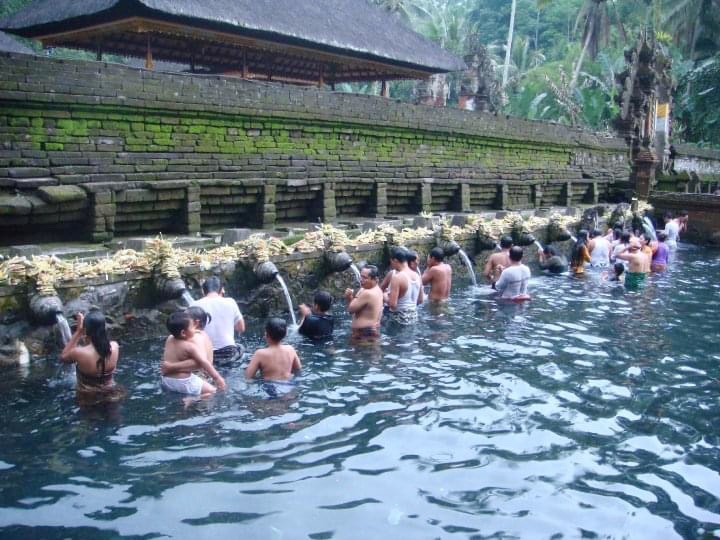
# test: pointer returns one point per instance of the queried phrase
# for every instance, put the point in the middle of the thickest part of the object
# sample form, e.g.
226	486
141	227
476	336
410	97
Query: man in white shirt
672	230
225	320
513	281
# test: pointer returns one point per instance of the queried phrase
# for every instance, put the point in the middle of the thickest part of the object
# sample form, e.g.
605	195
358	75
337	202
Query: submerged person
638	265
497	261
95	361
405	292
514	279
276	362
599	250
661	256
551	261
580	254
672	230
225	320
200	318
366	306
182	356
317	323
618	273
438	275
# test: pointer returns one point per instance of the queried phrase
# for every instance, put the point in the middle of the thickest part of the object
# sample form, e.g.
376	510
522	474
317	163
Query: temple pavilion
294	41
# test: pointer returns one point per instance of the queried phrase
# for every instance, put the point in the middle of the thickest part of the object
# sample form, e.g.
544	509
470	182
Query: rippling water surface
590	412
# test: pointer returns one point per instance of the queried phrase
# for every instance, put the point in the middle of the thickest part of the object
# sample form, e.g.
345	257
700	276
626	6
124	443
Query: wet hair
212	284
506	242
516	253
411	255
595	233
437	253
617	233
372	271
647	237
661	236
399	254
576	255
683	213
276	329
96	331
177	322
198	314
619	268
549	250
323	300
667	215
625	237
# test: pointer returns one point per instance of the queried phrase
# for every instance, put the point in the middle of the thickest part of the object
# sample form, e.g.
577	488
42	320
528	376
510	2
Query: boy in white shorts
182	356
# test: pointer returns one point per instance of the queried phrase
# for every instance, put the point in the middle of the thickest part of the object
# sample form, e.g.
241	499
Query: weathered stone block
61	194
230	236
28	172
14	205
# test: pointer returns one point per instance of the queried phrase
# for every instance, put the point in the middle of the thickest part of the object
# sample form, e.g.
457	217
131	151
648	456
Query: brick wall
146	152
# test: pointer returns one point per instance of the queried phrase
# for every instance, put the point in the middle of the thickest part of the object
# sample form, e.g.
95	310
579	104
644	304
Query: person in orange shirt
580	254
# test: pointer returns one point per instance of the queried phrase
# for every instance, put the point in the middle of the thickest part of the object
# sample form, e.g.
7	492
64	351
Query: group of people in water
203	335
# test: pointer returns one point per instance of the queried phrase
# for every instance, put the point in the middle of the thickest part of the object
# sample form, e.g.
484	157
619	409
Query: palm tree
693	21
595	20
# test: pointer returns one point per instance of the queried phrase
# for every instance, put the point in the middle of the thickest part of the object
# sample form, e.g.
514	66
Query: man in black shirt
317	323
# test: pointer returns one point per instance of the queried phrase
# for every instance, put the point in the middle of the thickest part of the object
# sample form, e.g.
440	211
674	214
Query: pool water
589	412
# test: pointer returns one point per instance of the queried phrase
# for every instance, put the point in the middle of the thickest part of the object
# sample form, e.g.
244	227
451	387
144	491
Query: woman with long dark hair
95	359
580	254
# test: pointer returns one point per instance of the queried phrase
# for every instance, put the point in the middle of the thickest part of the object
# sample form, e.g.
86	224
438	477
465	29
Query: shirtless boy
438	275
182	356
199	319
498	261
277	362
366	306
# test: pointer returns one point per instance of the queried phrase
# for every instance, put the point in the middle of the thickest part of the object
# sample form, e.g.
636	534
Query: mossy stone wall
179	153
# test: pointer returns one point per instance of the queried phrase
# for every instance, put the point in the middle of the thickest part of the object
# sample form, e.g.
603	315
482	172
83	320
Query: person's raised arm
253	367
296	365
68	354
356	303
393	295
203	363
427	276
386	280
421	296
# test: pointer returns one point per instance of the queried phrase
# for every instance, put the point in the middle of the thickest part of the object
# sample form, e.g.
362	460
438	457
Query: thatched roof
10	44
344	39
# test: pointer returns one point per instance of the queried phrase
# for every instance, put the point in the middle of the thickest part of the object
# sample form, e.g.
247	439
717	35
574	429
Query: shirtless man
366	306
438	275
405	292
638	264
498	261
277	362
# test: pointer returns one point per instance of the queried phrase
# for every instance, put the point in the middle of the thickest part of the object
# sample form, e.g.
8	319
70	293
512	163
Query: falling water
469	265
355	272
539	245
574	239
287	298
187	297
64	327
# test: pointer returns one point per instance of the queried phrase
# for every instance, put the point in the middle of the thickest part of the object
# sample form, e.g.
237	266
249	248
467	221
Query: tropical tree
695	25
595	21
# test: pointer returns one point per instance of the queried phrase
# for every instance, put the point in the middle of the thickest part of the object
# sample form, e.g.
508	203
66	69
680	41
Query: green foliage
697	107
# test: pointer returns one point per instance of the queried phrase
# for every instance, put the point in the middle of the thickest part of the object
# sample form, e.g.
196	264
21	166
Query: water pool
590	412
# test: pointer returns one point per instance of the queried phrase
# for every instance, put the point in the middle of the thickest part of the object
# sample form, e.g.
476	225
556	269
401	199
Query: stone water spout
338	261
47	311
449	247
265	272
170	288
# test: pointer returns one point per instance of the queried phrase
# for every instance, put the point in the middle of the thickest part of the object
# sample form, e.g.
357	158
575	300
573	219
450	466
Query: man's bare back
277	362
439	277
495	265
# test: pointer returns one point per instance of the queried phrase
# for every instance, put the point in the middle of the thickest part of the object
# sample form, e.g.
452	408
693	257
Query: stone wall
98	149
703	214
694	170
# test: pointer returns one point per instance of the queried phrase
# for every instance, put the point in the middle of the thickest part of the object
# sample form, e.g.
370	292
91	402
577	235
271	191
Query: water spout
450	248
187	297
355	271
469	265
338	261
539	246
265	272
64	327
287	298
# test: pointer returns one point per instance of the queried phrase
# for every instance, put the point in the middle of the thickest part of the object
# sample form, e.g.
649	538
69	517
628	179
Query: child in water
200	318
618	275
182	356
276	362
